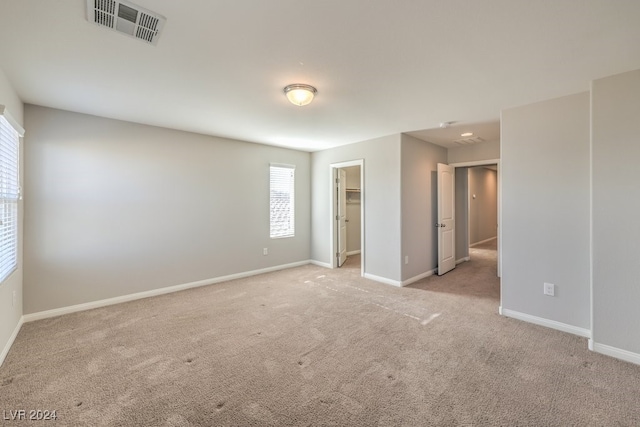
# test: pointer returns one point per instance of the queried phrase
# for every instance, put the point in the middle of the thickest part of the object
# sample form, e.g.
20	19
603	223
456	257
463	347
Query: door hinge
337	217
337	254
337	180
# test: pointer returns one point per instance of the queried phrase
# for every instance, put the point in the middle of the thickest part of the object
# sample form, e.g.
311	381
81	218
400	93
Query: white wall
10	314
419	205
545	209
488	150
114	208
483	209
381	203
616	208
353	209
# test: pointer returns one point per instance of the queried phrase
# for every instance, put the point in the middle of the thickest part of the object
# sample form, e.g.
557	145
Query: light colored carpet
317	347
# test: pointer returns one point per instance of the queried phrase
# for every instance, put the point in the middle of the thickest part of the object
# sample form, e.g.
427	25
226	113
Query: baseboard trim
618	353
320	264
12	338
461	260
353	252
154	292
483	241
382	280
418	277
546	322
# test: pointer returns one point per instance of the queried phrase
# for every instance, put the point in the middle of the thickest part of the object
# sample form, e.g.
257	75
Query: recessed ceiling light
467	134
300	94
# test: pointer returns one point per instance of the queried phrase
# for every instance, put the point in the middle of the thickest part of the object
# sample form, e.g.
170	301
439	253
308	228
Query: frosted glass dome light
300	94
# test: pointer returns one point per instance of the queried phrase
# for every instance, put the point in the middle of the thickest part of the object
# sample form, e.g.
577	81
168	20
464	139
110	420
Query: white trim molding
582	332
320	263
477	162
483	241
12	338
461	260
16	126
418	277
154	292
382	280
353	252
618	353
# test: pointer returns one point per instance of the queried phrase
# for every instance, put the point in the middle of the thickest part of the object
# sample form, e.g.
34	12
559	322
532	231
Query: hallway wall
483	204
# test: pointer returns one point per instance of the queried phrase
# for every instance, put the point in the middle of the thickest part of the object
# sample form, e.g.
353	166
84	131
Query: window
281	201
10	134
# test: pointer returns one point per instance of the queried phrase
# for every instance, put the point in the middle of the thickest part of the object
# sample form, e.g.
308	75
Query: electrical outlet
14	299
406	259
265	251
549	289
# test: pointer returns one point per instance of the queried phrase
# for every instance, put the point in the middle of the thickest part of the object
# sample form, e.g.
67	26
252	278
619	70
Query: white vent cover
126	17
469	141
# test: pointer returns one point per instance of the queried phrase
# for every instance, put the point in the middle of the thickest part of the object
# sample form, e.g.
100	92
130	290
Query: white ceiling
447	135
380	66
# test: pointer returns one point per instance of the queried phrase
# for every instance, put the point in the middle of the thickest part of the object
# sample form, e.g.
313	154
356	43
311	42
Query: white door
446	219
342	216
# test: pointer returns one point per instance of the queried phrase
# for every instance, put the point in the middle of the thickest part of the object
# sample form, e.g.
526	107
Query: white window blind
9	193
281	201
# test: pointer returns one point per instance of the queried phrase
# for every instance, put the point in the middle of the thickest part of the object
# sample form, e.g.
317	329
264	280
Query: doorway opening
347	215
477	204
478	212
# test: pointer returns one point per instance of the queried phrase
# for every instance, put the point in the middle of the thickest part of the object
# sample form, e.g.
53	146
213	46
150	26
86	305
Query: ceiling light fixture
300	94
467	134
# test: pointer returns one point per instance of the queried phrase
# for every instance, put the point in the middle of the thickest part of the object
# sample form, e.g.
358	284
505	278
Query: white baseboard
12	338
546	322
320	264
618	353
353	252
382	280
483	241
154	292
461	260
418	277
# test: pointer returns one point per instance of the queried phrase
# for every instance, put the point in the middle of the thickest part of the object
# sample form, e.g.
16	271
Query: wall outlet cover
549	289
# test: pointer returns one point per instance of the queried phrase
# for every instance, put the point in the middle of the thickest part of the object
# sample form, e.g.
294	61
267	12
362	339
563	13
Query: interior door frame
333	211
499	167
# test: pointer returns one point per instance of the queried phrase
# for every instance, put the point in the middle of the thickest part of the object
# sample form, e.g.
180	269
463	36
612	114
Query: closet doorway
347	215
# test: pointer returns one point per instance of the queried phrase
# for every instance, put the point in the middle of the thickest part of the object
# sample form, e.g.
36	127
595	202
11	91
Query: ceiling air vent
469	141
126	17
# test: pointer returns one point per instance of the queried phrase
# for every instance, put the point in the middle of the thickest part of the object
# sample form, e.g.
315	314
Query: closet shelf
353	190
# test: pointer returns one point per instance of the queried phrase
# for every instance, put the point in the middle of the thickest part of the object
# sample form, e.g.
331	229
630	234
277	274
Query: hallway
476	278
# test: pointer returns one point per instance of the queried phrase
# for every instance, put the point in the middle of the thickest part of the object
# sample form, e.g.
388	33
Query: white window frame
282	178
10	134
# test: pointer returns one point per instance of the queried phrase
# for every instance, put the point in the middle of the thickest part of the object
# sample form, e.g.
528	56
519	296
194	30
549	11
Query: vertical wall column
616	206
